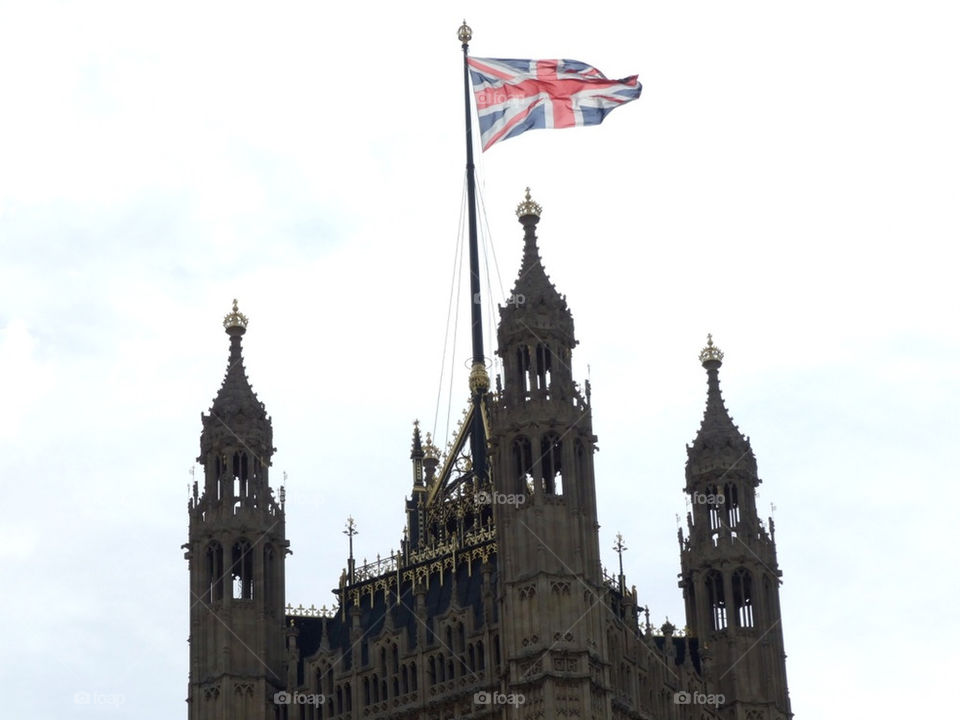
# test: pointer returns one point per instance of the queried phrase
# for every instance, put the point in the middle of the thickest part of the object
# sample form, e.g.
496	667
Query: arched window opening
523	464
432	671
481	662
718	605
404	680
471	658
544	367
582	461
551	455
732	503
214	572
523	368
413	677
715	506
269	581
339	699
376	688
242	571
743	597
366	691
349	698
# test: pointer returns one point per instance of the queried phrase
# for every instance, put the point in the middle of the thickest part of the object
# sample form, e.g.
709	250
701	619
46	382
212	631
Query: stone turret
729	571
237	546
542	447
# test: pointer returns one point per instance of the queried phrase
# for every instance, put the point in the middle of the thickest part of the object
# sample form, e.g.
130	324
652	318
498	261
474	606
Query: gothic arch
214	572
522	457
241	570
716	600
551	463
743	602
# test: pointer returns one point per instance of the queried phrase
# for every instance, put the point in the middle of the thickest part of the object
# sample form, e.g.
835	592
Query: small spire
235	319
533	283
718	436
711	353
533	292
350	532
620	549
416	450
528	207
237	415
715	418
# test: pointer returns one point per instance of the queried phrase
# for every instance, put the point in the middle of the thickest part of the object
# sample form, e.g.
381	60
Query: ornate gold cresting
711	351
479	380
528	207
429	449
465	34
234	318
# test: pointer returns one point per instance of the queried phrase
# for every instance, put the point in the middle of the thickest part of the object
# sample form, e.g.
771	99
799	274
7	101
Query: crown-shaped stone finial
235	318
528	207
711	352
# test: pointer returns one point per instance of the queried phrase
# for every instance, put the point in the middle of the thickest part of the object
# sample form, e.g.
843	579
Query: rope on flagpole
487	237
454	275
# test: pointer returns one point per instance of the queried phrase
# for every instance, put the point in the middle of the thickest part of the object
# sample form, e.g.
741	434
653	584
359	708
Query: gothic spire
416	455
416	448
533	292
237	416
719	441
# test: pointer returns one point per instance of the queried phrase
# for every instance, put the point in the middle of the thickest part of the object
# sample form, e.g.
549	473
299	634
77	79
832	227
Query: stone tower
729	572
541	450
236	555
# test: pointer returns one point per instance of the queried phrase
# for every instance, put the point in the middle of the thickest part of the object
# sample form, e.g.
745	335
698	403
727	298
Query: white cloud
24	378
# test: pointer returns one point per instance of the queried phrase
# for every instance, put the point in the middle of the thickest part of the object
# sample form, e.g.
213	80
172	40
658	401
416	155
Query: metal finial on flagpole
465	34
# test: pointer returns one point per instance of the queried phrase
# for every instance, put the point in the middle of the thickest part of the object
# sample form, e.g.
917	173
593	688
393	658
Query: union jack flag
514	96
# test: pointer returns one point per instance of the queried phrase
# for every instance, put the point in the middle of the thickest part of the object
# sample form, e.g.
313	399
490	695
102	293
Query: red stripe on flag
550	83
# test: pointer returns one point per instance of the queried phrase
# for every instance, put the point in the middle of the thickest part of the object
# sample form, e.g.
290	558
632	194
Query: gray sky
788	181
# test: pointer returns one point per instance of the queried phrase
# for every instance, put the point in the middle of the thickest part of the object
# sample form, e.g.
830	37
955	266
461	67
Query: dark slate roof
334	633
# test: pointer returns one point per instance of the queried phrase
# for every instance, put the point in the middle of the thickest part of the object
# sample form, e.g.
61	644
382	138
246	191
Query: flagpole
479	381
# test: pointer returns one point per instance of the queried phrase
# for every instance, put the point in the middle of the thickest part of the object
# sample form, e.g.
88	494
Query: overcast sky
787	181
